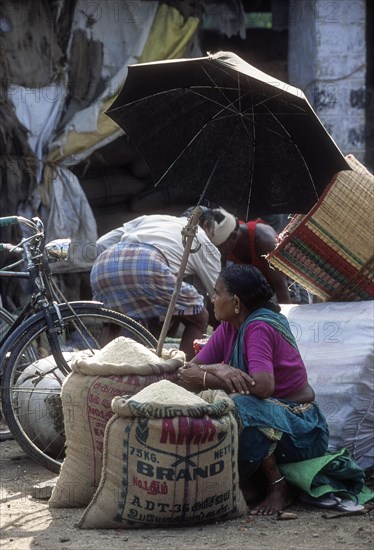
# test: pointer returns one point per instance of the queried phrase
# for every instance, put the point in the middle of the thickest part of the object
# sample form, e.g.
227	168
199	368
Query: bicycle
37	347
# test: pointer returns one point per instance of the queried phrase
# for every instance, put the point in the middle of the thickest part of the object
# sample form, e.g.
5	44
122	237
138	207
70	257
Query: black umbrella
229	133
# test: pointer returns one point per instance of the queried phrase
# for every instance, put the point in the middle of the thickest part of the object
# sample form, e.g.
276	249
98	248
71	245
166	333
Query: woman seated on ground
253	356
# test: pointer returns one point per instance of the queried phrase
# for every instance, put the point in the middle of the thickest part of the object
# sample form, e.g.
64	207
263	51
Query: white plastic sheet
69	215
39	110
336	341
123	29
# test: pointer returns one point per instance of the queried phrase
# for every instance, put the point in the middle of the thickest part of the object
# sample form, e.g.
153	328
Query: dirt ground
28	522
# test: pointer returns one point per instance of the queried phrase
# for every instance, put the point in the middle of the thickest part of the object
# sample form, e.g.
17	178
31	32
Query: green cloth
277	320
331	473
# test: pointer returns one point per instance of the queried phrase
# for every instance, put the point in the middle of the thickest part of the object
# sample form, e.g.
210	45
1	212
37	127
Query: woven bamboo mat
330	250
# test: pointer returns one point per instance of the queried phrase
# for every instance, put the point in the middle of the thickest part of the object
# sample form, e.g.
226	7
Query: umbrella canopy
222	129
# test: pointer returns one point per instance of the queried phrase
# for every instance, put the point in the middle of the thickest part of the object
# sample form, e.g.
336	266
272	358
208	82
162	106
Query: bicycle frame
36	353
45	295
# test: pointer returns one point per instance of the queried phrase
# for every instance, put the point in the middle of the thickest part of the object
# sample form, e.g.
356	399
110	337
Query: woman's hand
191	377
220	376
236	380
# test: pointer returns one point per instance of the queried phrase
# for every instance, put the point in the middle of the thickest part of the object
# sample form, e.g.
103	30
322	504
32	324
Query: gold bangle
204	379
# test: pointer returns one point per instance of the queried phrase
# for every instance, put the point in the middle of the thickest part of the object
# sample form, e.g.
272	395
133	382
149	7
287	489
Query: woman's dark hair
249	285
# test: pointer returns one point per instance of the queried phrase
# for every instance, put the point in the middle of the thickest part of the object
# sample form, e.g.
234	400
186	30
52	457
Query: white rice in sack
170	458
123	367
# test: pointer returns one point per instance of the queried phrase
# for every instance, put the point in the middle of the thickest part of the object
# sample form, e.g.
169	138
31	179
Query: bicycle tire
28	390
6	321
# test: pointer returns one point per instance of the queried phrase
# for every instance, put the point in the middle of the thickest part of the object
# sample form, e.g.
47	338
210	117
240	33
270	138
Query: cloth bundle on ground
123	367
331	474
170	458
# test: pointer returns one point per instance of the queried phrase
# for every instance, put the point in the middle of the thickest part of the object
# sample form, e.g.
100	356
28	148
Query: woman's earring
236	310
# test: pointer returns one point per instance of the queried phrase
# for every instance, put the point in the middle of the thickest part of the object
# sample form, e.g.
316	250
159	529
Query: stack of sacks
170	458
123	367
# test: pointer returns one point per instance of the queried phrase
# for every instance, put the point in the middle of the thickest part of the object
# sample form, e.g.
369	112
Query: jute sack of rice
170	458
123	367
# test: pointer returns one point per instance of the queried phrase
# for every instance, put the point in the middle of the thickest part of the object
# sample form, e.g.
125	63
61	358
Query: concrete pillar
327	60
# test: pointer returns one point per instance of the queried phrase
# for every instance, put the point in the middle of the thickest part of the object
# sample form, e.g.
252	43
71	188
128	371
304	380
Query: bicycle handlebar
36	224
8	220
57	249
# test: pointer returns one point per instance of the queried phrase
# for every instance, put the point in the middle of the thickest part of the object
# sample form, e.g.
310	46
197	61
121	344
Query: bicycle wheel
31	393
6	321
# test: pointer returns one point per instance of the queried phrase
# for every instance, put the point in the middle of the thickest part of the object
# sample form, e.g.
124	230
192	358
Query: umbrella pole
189	232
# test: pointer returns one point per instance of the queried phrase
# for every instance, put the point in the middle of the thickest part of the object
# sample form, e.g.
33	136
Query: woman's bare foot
278	498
